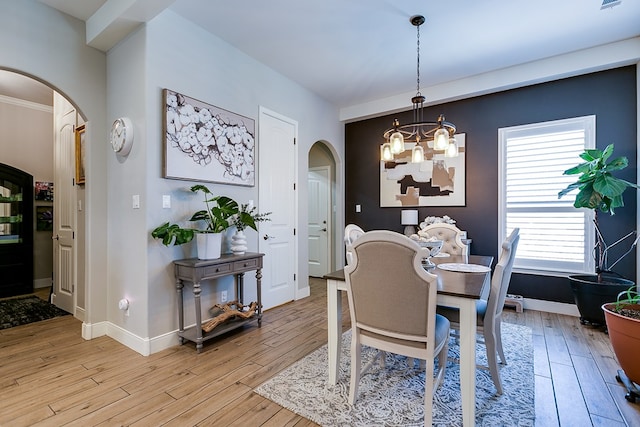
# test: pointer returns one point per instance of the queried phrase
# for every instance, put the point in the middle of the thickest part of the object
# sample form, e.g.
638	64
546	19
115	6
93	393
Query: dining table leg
334	323
468	324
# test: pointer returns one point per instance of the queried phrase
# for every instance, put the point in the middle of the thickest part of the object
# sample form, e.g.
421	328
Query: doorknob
324	229
267	237
56	237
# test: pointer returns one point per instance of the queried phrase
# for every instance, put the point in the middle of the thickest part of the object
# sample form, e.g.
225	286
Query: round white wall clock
121	136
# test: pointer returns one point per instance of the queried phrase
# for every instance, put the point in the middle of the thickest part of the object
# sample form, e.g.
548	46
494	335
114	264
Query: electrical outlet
223	296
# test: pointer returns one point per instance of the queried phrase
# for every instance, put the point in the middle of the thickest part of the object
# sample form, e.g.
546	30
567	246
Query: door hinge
73	235
294	231
294	277
294	141
294	186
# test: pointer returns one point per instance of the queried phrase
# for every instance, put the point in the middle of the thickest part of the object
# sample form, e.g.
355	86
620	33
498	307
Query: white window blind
554	236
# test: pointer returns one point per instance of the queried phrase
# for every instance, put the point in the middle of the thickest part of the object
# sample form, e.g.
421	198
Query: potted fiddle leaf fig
601	191
217	217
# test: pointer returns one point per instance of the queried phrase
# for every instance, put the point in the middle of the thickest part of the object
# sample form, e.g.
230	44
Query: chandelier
419	132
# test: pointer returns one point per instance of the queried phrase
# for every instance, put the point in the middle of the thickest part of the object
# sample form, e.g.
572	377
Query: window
554	236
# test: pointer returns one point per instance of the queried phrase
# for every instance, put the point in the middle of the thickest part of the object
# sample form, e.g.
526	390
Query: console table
195	270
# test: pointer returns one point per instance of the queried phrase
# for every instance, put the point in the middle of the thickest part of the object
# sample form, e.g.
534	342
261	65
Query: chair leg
492	359
442	366
498	331
356	362
428	393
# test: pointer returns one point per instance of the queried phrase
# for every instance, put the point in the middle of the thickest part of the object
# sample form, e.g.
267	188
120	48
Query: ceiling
354	51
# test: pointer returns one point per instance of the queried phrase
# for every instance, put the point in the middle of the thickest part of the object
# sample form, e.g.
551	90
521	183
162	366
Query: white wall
173	53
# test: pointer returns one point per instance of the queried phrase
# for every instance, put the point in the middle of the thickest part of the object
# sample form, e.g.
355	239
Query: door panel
277	195
64	206
319	221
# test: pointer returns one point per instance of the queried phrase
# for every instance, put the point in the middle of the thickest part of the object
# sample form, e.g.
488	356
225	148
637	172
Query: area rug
394	395
23	310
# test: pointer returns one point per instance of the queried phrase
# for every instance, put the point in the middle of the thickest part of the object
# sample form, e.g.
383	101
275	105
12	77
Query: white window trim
588	123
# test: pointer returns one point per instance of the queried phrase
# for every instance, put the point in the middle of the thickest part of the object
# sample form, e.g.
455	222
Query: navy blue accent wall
609	95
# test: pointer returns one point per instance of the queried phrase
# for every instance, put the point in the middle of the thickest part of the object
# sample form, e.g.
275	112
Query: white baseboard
93	330
42	283
303	293
144	346
551	307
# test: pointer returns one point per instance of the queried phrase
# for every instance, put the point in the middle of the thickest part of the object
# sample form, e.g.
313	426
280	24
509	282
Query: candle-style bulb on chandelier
419	132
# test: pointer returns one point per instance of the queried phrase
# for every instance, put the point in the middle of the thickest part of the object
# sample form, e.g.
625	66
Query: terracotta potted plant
623	324
601	191
217	217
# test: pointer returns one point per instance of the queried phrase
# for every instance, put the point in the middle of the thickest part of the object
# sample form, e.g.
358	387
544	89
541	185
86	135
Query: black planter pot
590	295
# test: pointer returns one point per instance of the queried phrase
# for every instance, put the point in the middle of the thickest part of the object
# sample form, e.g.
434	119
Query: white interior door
64	219
277	240
319	220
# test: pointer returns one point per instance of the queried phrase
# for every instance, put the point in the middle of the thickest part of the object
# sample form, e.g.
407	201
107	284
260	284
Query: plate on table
464	268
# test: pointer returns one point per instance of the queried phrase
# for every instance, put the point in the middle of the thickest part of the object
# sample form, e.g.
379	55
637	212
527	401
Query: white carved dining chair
392	303
490	309
351	233
451	237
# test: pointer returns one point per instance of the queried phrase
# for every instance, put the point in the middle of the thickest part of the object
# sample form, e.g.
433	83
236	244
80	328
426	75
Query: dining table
463	280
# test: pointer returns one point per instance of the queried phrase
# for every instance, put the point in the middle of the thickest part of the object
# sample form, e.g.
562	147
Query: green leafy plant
249	217
599	190
218	216
625	299
219	213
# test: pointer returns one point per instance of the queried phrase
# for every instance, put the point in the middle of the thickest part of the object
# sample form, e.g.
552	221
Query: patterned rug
394	395
23	310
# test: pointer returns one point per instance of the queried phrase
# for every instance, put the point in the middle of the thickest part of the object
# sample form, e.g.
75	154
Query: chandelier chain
418	62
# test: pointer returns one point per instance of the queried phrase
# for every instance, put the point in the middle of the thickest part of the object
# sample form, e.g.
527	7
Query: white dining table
456	289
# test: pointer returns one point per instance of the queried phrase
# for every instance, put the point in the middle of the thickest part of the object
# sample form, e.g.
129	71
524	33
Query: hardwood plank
630	411
67	413
545	404
556	345
572	411
540	357
126	411
594	389
282	418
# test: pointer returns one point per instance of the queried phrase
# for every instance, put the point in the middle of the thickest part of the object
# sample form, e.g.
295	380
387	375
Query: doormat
29	309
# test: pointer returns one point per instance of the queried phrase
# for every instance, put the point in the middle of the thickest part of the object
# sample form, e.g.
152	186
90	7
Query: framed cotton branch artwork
206	143
437	181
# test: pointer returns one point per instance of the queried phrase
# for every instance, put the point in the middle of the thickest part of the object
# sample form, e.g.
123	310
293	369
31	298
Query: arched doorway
322	218
29	115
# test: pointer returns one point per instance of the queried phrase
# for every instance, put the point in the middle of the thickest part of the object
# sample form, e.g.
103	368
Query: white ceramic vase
209	245
239	243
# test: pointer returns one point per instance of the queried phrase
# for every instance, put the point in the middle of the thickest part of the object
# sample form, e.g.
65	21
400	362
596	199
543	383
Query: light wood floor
50	376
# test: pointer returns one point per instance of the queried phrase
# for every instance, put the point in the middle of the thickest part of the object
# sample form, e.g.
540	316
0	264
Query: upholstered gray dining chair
351	233
392	303
451	237
490	310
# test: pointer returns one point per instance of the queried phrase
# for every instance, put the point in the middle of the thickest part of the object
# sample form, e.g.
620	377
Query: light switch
135	201
358	209
166	201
